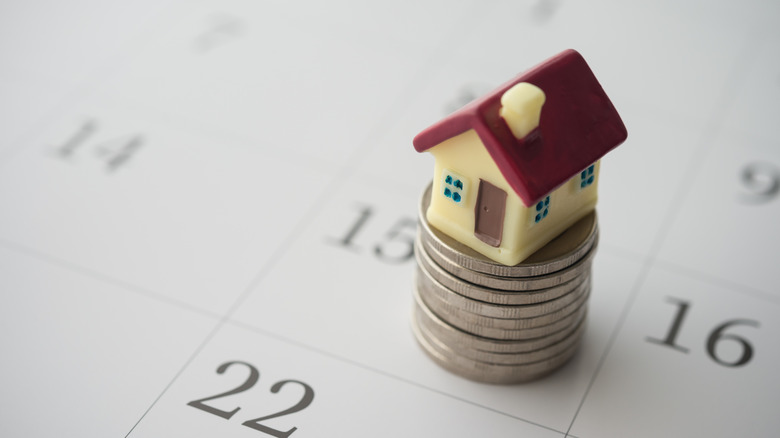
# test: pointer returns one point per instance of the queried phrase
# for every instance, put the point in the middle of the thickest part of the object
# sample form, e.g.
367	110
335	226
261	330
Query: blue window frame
454	186
587	177
542	209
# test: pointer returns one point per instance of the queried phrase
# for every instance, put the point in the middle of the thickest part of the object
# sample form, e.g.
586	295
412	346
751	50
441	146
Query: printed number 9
762	182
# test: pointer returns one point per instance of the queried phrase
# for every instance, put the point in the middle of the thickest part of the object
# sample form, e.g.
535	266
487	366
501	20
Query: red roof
578	125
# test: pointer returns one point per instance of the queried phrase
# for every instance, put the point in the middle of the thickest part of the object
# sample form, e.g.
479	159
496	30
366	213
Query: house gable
464	155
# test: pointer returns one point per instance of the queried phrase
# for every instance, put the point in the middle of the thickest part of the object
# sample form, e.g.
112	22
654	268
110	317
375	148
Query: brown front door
489	213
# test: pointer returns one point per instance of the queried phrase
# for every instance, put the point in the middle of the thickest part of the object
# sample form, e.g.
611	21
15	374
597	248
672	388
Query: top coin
560	253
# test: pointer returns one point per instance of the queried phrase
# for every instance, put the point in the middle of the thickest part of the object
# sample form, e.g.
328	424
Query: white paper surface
178	181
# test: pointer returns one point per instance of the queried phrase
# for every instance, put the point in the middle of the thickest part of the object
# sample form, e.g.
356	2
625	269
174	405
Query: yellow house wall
465	155
568	204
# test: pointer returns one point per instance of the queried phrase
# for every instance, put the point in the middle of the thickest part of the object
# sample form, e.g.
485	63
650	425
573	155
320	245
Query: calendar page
208	212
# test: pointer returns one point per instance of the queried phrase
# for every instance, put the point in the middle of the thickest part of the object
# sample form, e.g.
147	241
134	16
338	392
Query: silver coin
502	358
463	319
560	253
456	337
488	372
442	307
499	333
487	294
427	283
512	284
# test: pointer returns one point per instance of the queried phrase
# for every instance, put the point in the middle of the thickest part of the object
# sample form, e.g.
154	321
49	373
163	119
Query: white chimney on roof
521	107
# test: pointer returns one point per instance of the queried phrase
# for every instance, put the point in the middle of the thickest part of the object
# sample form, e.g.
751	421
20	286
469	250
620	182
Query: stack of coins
495	323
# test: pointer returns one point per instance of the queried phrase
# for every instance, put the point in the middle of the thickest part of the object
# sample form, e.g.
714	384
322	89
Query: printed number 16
716	336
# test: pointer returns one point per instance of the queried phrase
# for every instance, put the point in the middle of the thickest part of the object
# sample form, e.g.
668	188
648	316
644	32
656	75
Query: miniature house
517	167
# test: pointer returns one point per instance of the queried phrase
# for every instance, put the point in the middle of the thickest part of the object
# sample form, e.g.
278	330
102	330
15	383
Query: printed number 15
396	247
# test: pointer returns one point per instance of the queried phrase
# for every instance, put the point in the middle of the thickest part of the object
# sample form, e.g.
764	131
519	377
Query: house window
587	177
454	186
541	210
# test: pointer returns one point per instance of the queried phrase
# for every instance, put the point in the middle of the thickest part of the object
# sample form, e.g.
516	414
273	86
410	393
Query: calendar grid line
702	149
634	256
384	373
189	360
103	278
735	286
213	133
640	280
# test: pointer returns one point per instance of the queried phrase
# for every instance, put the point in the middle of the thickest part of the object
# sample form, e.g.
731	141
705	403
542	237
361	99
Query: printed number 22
254	423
